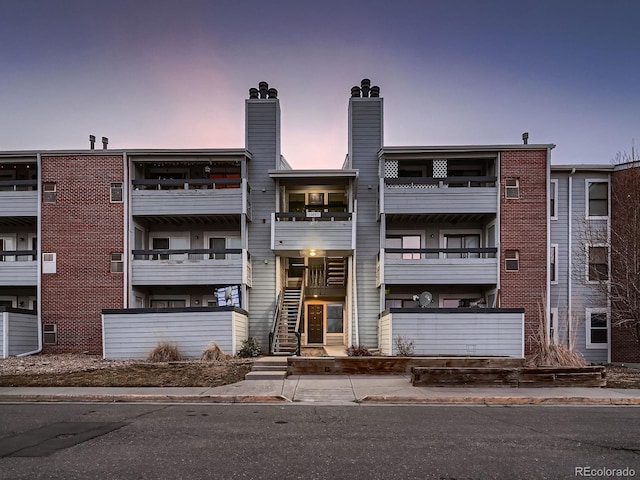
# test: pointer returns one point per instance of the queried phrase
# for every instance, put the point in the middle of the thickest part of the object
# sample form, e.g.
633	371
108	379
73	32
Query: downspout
127	219
570	263
547	313
39	261
356	327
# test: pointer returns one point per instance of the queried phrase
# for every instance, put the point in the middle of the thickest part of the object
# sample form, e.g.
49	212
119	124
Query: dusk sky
175	73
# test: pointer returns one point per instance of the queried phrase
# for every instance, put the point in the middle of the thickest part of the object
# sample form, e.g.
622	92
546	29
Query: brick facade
523	227
625	258
82	227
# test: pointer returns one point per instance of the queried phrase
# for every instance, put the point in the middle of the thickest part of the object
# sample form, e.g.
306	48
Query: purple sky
174	74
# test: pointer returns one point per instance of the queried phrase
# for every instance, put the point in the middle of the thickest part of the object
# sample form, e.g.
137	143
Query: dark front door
315	323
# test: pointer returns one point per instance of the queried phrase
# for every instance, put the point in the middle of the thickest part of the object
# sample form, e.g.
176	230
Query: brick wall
625	261
523	227
83	228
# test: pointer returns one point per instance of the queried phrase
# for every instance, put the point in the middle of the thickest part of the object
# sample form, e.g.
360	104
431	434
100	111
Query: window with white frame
597	323
553	325
597	263
597	198
222	242
409	241
462	241
512	187
553	199
512	260
116	192
553	263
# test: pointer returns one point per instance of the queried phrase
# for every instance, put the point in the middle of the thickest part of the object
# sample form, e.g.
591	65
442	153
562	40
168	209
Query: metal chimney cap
355	92
105	142
272	93
525	138
253	93
375	91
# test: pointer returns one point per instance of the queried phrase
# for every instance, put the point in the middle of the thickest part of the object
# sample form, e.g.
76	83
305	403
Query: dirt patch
88	371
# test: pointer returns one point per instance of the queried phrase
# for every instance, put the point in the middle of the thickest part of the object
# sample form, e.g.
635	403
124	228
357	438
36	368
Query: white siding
440	200
322	235
134	334
189	272
19	204
187	202
20	273
448	271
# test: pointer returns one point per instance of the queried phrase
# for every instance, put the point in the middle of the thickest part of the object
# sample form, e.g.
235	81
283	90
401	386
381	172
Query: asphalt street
123	441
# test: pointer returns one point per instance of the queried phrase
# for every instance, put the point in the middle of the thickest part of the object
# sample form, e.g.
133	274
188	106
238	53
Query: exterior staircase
285	341
268	368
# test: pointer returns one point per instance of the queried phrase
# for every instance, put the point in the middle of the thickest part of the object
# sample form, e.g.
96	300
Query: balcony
454	331
191	267
18	268
438	266
451	195
328	232
205	196
19	198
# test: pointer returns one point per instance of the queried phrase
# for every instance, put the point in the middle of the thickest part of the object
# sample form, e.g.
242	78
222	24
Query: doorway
315	323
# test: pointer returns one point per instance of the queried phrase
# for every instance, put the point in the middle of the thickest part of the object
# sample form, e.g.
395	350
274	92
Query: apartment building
459	249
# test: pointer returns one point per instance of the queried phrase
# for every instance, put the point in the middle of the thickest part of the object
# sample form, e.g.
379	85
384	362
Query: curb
490	401
61	398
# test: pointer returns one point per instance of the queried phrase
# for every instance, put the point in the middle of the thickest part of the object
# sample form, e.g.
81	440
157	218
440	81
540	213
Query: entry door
315	323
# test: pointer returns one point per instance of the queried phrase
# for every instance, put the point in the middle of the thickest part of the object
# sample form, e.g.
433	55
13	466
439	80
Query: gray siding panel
14	274
461	334
19	204
196	272
365	142
23	332
440	200
187	202
135	335
444	272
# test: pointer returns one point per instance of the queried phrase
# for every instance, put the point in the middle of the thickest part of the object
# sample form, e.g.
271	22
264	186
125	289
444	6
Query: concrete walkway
329	390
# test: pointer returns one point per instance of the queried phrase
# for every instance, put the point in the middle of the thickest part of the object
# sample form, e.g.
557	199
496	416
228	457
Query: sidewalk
329	390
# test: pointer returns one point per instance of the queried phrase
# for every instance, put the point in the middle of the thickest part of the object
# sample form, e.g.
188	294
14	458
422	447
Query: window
49	194
404	242
511	260
598	263
597	199
597	322
219	244
116	192
512	188
553	263
553	199
334	318
462	242
49	334
117	263
160	244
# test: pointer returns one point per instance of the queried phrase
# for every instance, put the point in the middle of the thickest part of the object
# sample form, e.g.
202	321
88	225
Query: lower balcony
454	331
293	233
191	267
18	268
439	266
18	331
133	333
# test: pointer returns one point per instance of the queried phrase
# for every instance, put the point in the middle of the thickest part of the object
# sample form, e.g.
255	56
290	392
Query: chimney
105	142
525	138
365	85
264	89
92	142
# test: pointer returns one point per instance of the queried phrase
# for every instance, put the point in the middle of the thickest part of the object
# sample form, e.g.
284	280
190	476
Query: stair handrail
299	318
276	316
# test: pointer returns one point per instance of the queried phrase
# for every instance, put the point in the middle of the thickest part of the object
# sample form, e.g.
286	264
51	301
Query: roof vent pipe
272	93
375	91
264	88
525	138
365	84
253	93
355	92
92	142
105	142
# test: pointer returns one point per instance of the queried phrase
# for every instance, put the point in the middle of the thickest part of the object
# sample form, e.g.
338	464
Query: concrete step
265	375
271	362
269	368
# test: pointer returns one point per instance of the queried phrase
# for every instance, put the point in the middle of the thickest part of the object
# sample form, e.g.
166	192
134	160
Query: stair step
265	375
269	368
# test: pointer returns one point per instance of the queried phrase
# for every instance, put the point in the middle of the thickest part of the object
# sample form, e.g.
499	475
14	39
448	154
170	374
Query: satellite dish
425	299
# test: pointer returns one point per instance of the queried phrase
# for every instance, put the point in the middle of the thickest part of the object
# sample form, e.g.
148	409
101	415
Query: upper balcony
201	196
18	198
450	195
326	232
438	266
204	266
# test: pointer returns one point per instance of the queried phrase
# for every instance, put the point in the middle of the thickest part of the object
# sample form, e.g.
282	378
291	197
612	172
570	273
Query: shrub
404	347
358	351
249	348
213	353
165	352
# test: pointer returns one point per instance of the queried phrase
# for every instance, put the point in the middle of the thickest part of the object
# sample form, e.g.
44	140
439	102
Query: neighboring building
448	247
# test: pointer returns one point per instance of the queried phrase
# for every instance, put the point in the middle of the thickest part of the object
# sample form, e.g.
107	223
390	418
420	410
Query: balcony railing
18	185
186	184
18	255
431	182
439	253
331	232
187	254
19	198
312	216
